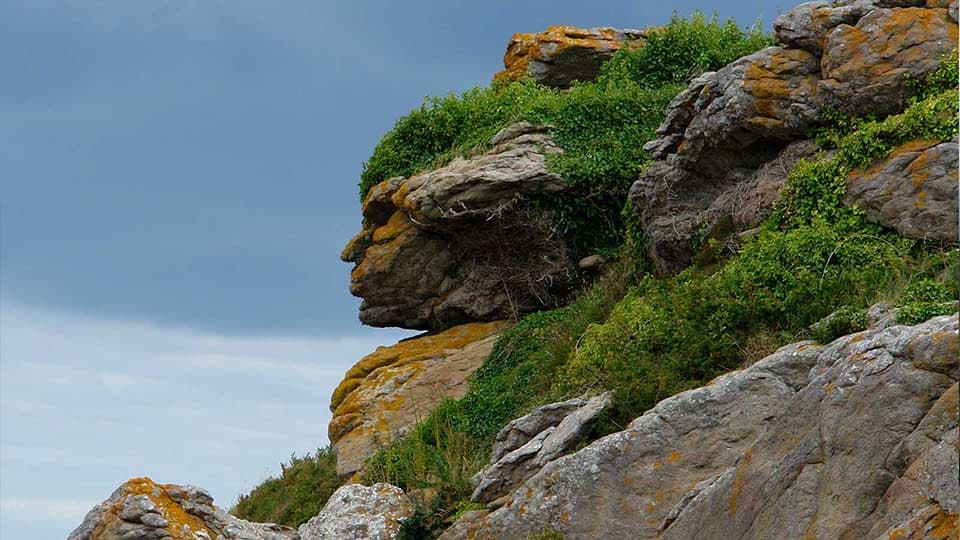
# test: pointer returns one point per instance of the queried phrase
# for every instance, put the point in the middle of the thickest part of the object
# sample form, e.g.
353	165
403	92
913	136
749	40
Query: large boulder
143	509
462	243
391	389
866	67
563	54
358	512
729	125
857	439
914	190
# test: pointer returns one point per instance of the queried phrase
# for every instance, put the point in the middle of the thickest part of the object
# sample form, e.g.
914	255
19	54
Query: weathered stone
591	262
866	67
563	54
143	509
863	445
624	485
461	243
393	388
358	512
806	25
517	456
914	190
838	448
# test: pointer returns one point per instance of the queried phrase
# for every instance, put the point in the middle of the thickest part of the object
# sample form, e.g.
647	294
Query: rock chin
393	388
463	243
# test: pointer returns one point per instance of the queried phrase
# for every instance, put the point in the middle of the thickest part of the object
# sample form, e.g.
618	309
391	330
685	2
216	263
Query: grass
298	494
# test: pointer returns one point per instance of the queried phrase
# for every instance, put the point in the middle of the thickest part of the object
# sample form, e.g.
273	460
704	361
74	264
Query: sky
177	179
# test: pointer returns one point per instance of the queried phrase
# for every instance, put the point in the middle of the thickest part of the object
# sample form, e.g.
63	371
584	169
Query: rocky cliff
728	377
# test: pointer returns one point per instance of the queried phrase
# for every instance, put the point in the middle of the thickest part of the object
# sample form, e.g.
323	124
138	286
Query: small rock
358	512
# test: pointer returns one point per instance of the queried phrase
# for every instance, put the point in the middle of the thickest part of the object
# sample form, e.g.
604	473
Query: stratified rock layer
461	243
563	54
358	512
143	509
857	439
393	388
729	125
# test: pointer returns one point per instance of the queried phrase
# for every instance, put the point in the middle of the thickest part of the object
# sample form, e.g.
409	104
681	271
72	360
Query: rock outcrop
563	54
461	243
357	512
914	190
143	509
854	56
856	439
528	443
393	388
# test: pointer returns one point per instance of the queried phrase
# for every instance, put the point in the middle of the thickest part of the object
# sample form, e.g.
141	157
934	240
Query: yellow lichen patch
771	84
172	511
674	457
564	517
738	480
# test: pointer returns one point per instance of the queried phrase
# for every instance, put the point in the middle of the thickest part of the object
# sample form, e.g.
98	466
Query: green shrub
602	125
841	322
297	495
683	49
926	298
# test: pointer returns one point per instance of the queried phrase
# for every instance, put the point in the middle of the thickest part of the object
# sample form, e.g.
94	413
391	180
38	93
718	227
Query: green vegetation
602	125
647	338
297	495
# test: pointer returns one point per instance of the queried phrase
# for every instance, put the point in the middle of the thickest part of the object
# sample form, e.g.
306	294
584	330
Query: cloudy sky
178	177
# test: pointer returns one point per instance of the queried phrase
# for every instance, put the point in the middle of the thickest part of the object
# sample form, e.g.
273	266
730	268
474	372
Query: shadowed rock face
462	243
143	509
719	133
393	388
857	439
563	54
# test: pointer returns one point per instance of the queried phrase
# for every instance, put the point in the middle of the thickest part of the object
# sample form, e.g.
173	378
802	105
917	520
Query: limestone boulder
855	439
463	243
144	509
563	54
914	190
624	485
865	448
358	512
391	389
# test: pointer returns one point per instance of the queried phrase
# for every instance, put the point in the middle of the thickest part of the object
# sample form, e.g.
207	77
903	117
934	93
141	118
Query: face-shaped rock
462	243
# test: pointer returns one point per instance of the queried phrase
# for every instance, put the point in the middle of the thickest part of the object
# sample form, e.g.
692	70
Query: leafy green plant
602	125
926	298
841	322
298	494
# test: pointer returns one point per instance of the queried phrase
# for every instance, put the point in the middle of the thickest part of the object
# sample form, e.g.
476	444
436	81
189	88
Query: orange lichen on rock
591	45
391	389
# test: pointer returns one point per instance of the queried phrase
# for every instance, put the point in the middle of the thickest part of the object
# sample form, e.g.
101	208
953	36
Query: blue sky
177	178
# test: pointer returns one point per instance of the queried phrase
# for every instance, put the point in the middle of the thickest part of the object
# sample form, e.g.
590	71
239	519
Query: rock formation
563	54
528	443
143	509
393	388
734	124
914	190
857	439
357	512
460	243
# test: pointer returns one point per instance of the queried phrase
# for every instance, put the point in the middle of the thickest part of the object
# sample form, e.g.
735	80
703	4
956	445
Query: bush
924	299
602	125
297	495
